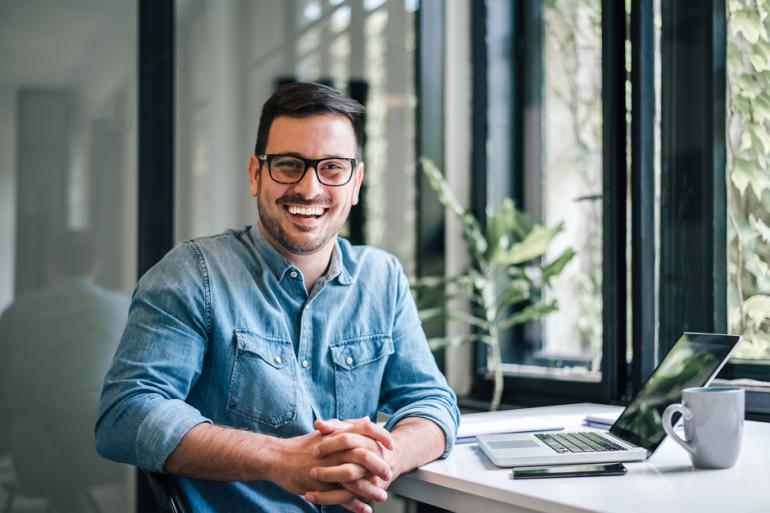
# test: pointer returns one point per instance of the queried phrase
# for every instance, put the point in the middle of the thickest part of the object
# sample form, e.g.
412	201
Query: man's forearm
417	441
221	454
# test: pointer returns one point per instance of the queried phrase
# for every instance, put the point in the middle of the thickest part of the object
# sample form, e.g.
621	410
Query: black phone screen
591	469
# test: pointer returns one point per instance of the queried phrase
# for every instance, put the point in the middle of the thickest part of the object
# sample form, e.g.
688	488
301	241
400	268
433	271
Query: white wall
457	156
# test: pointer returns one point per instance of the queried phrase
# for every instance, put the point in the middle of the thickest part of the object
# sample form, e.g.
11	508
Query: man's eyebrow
297	154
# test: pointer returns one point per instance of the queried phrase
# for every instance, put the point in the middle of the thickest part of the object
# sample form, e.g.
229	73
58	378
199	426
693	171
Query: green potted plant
501	284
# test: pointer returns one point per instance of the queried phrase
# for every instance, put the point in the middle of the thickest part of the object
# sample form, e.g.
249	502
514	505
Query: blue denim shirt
223	330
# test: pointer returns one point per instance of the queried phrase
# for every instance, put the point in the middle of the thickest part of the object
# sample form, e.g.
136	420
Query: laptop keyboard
581	441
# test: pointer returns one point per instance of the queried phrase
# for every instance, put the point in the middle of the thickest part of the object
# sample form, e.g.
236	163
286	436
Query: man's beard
304	246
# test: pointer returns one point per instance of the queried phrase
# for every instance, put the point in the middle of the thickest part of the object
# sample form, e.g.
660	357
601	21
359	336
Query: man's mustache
296	199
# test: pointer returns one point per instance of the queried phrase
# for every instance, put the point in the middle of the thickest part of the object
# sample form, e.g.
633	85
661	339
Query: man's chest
279	360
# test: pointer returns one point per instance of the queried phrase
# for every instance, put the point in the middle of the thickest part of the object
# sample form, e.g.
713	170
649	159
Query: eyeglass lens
329	171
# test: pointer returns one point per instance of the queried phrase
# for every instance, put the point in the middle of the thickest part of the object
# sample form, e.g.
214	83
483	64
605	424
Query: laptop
693	361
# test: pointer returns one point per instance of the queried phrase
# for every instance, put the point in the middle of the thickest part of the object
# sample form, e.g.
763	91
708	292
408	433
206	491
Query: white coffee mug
713	424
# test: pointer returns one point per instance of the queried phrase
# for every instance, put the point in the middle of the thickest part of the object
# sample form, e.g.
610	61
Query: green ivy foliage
748	137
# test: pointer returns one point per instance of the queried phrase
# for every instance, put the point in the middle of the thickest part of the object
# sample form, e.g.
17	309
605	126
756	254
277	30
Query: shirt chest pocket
359	365
263	385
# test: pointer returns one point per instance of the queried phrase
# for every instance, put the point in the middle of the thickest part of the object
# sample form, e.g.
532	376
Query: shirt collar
279	265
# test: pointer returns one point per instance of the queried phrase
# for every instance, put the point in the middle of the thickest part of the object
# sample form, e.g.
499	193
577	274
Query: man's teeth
306	211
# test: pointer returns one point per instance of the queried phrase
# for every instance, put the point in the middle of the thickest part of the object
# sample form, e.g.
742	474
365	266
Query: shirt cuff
438	416
161	430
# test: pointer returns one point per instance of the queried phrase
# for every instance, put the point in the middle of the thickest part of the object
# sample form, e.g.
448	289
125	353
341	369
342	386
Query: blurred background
642	126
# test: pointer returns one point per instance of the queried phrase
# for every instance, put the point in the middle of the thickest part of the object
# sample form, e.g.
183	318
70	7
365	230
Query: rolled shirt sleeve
142	412
413	386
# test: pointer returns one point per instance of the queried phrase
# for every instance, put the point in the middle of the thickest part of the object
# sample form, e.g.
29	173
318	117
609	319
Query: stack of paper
601	420
497	423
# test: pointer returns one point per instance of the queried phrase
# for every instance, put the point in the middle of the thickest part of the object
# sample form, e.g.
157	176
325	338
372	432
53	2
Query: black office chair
168	498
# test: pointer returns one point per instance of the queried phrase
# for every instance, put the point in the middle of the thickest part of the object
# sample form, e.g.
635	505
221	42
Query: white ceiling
47	42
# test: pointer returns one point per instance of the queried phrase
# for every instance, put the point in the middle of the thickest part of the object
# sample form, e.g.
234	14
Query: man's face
304	231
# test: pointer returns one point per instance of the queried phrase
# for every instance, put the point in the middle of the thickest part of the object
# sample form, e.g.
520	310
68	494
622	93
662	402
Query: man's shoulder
192	257
369	262
232	238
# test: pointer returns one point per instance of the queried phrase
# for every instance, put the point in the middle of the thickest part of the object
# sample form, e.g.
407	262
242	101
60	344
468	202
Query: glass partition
68	256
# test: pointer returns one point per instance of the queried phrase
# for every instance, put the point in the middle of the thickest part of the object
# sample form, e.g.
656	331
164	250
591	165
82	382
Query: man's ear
358	179
253	170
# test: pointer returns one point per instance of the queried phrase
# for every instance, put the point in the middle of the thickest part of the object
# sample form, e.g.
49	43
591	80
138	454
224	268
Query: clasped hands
347	462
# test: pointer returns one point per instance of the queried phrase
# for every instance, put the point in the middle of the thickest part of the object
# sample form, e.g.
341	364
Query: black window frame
155	153
693	45
694	203
529	391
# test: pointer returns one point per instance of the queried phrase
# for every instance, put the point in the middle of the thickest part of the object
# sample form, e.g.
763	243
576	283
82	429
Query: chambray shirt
223	330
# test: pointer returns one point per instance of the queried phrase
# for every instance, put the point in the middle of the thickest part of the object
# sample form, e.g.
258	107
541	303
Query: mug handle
669	428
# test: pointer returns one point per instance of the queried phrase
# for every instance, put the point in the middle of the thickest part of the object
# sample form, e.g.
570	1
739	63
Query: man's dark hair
300	99
72	253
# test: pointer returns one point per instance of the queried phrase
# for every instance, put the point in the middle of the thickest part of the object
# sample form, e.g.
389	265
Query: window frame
704	25
686	156
528	391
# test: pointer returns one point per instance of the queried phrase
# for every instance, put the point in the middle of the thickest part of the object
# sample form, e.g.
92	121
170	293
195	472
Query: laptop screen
691	362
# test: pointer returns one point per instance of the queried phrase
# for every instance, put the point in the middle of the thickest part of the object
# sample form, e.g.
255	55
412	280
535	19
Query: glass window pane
748	185
68	258
366	51
561	112
572	178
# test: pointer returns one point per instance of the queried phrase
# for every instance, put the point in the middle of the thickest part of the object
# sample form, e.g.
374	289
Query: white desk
468	482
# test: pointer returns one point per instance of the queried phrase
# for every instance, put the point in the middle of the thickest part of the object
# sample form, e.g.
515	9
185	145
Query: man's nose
309	185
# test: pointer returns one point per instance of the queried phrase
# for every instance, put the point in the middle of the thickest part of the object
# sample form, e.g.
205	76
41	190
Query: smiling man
254	361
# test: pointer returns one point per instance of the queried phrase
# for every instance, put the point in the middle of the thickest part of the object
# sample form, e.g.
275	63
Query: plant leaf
427	282
758	308
529	313
747	22
761	134
747	85
741	174
455	341
760	227
477	243
761	107
444	299
558	265
516	292
533	246
430	314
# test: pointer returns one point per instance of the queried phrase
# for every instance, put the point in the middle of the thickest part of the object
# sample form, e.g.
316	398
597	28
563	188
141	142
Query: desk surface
667	482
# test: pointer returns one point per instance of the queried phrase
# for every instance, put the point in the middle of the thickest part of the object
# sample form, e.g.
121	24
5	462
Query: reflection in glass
68	253
56	344
691	362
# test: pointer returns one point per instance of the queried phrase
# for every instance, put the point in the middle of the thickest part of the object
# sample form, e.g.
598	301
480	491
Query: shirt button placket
306	335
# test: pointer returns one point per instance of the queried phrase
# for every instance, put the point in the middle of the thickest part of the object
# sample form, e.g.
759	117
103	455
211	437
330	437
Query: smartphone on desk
590	469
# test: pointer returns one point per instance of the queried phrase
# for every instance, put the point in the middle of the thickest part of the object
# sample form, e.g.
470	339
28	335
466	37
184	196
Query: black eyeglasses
290	169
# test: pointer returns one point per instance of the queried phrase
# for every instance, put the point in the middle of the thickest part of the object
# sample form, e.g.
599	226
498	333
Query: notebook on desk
475	424
693	361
